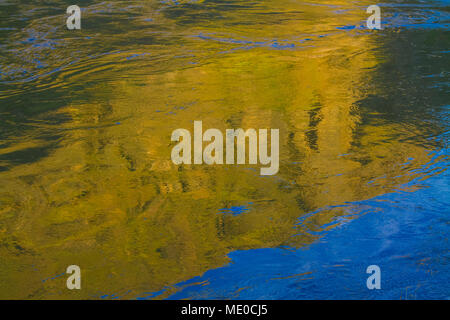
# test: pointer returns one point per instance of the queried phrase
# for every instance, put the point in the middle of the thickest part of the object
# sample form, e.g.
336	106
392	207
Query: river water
86	176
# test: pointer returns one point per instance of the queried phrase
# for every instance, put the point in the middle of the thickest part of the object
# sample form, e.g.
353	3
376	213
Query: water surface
86	175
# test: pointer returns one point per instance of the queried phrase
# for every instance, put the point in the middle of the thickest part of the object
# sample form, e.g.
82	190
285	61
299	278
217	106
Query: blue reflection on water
235	210
405	233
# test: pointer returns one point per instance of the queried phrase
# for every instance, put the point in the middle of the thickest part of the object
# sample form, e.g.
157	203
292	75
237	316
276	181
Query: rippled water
85	170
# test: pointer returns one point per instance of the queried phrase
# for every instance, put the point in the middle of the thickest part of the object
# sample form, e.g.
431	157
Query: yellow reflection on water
110	200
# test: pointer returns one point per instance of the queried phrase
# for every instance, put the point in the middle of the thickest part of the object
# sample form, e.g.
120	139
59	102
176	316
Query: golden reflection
110	200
